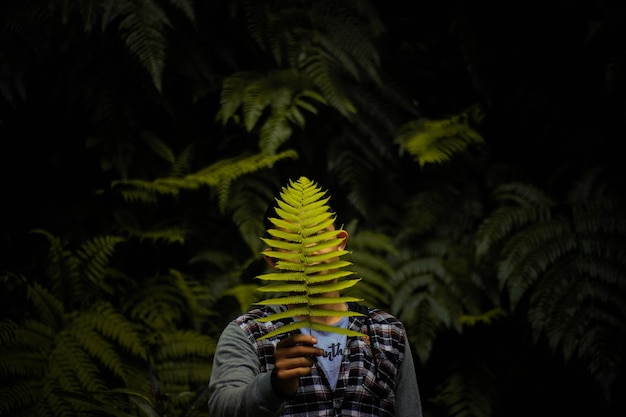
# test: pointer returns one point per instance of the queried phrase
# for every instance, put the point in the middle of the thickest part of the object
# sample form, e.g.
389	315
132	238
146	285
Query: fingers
296	353
293	358
297	340
297	346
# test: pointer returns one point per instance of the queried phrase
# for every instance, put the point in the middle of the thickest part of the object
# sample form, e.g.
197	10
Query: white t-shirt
333	345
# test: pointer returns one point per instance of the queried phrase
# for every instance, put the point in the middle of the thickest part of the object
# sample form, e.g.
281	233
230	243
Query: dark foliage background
472	148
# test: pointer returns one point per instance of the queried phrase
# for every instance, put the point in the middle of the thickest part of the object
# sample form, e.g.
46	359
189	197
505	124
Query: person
314	373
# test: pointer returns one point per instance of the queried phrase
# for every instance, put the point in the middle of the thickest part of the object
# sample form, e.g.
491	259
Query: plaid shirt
368	374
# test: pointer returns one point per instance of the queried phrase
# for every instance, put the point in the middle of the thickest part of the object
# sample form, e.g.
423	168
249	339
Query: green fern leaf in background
436	141
219	176
564	264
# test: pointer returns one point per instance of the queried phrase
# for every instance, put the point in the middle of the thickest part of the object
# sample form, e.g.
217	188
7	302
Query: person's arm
408	403
237	387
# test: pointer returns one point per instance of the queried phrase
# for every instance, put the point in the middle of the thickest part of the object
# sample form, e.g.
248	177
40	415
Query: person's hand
293	358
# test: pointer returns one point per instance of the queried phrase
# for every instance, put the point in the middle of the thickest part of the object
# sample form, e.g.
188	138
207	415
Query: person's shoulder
373	314
250	324
381	316
386	332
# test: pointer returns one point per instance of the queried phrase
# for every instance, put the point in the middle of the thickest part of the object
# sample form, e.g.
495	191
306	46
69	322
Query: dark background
76	102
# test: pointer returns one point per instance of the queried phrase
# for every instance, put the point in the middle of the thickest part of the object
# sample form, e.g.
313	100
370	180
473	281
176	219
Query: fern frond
160	307
423	211
218	176
182	344
594	186
297	325
355	167
88	402
436	141
289	327
469	392
426	326
46	306
528	254
250	196
105	319
308	258
183	162
158	146
318	312
286	276
522	194
196	295
24	347
142	190
71	368
181	376
172	234
567	263
103	350
95	255
143	26
315	66
287	300
312	301
281	96
435	290
233	95
227	170
318	289
274	132
519	205
349	36
72	359
339	330
487	317
327	41
370	255
19	398
66	280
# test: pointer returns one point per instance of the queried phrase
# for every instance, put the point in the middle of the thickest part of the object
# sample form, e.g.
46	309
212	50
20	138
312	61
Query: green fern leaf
158	146
307	258
281	96
95	255
104	318
143	27
469	392
184	343
218	176
436	141
563	261
297	325
19	397
371	254
47	307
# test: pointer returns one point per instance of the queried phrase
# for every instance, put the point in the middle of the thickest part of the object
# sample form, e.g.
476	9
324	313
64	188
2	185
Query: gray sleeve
237	387
408	403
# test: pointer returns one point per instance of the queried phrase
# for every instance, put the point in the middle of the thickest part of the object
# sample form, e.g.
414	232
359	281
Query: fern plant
85	345
562	262
308	264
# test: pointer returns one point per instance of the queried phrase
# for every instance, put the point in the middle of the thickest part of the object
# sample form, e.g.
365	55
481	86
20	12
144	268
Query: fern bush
562	263
83	346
